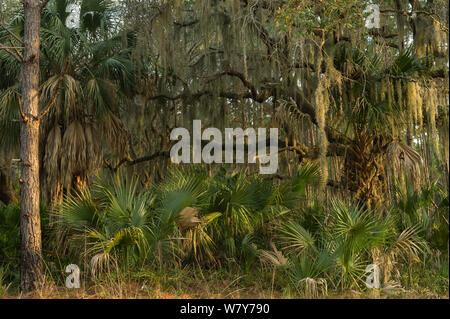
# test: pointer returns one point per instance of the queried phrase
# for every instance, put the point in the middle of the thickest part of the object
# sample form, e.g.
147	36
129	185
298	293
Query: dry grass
191	285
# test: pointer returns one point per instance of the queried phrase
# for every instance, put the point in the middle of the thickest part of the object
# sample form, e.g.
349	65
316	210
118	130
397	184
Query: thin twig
22	114
44	3
15	49
7	49
12	33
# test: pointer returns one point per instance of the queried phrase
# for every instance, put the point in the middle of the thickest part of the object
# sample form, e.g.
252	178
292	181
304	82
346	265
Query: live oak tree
361	100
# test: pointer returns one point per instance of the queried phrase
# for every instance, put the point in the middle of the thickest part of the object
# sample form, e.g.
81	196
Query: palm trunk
362	170
30	226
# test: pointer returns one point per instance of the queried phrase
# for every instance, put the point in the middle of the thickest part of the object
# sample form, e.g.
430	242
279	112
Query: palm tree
88	72
375	117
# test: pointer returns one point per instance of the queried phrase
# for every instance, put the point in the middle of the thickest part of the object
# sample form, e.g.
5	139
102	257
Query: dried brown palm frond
73	154
272	258
188	218
52	151
69	157
115	133
48	88
386	262
397	153
101	264
93	151
312	287
68	101
392	288
72	91
409	245
51	161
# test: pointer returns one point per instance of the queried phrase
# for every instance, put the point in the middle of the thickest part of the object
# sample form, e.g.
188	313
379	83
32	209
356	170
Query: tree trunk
362	170
30	226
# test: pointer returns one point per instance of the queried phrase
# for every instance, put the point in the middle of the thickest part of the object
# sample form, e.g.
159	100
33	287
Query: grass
193	283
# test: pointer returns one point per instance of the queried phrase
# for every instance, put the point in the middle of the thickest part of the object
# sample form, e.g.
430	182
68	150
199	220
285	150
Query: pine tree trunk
30	226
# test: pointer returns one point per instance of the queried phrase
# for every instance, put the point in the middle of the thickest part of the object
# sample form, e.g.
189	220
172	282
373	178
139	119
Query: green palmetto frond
248	250
407	64
180	190
295	239
353	230
124	206
246	203
308	174
103	94
10	70
307	271
78	211
199	240
358	227
115	219
57	42
352	270
411	207
309	267
291	194
96	15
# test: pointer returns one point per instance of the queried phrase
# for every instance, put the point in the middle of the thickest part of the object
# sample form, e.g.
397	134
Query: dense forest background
363	123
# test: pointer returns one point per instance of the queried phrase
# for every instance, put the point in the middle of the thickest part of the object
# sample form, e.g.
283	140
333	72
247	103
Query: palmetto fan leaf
78	211
295	239
306	175
96	15
407	64
358	227
352	270
182	189
292	193
309	267
104	246
240	202
113	218
124	205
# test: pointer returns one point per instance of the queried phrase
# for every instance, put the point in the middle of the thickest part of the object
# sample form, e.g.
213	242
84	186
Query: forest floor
188	284
130	291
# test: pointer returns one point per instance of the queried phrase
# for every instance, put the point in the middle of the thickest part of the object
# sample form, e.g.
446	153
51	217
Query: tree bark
30	226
